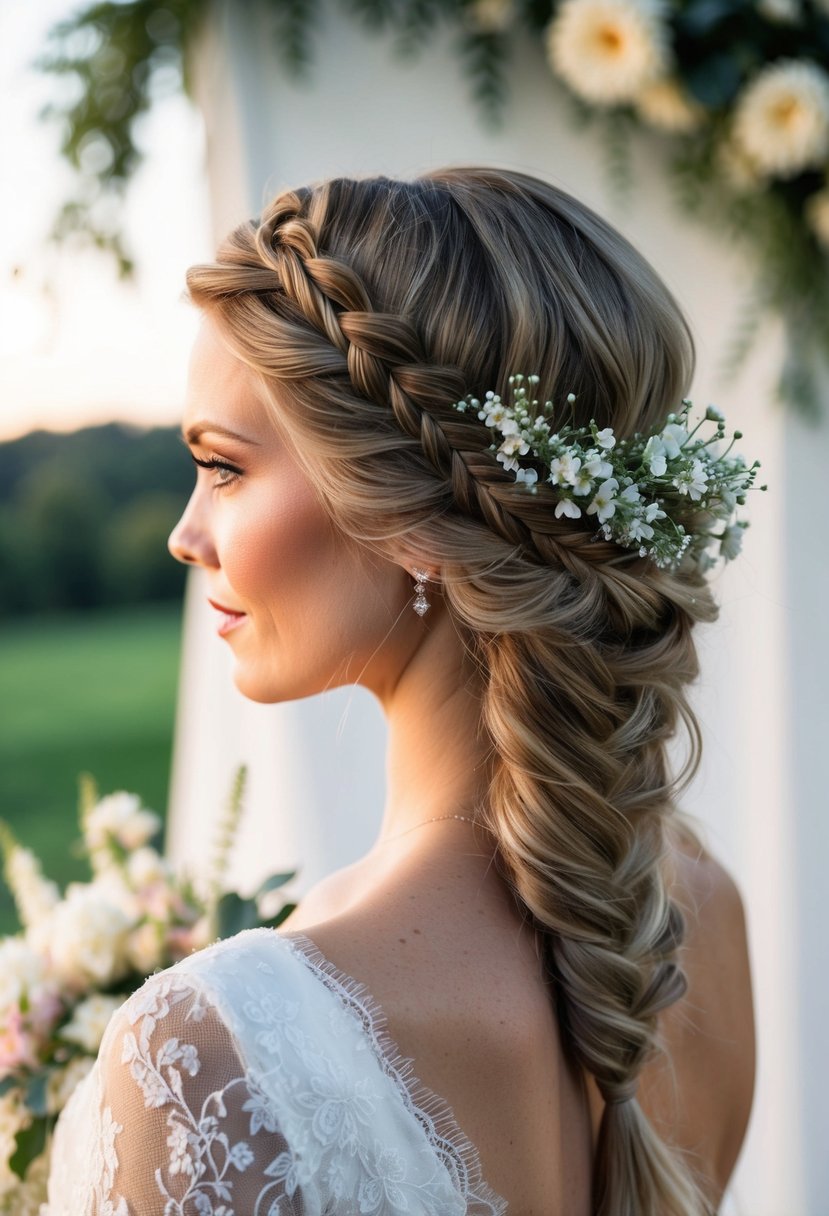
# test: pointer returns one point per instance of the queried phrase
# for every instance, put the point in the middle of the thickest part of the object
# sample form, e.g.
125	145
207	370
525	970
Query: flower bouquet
80	954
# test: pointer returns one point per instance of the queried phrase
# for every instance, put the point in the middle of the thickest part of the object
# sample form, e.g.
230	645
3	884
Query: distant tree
63	516
136	564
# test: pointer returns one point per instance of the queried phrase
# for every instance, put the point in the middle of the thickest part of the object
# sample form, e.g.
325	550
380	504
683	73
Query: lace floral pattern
254	1079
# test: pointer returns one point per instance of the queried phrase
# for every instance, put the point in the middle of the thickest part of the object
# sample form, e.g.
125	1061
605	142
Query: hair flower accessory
668	493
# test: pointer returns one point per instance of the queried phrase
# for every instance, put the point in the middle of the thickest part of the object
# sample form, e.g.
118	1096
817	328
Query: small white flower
667	105
673	437
606	439
639	530
692	480
713	414
654	454
528	476
511	447
564	469
631	493
566	506
240	1155
34	895
607	50
494	412
653	511
731	542
781	119
603	503
595	465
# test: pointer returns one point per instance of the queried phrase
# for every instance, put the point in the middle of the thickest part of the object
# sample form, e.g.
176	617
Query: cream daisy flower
781	119
816	210
666	105
607	50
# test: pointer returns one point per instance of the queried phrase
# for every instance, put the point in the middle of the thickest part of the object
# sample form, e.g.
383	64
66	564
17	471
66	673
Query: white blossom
653	511
596	465
120	817
603	503
565	506
781	119
654	454
528	476
731	542
638	529
605	438
673	437
23	972
607	50
88	937
564	469
512	445
692	480
89	1021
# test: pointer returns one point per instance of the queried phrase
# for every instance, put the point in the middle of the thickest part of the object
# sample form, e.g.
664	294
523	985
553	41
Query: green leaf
273	883
275	921
36	1092
233	914
29	1144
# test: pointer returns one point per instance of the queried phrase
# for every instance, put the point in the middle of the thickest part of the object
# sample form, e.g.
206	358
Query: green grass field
89	693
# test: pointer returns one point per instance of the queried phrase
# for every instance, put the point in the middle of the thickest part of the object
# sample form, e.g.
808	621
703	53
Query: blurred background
702	135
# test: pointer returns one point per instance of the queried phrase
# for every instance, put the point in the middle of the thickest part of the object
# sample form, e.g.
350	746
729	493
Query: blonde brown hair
366	308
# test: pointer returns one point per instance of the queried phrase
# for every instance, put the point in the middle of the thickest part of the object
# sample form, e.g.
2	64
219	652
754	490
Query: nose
190	541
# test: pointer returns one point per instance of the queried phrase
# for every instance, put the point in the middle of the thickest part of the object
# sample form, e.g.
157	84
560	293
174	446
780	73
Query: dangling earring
421	604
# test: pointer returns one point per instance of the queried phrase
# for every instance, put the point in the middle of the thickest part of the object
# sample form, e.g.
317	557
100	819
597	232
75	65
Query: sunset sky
77	346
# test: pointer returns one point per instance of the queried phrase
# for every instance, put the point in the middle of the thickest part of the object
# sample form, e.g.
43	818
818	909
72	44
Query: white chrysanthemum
89	1021
816	210
607	50
666	105
88	937
781	119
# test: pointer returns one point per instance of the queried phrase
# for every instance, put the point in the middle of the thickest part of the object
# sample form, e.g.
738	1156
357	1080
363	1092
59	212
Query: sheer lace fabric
254	1079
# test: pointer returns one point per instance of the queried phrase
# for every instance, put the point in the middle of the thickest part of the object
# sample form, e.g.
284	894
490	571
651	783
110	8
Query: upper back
466	996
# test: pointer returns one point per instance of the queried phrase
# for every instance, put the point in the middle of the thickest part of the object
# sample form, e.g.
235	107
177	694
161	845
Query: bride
532	994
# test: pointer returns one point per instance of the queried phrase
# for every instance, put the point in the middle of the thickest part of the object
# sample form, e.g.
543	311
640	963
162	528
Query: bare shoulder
700	1091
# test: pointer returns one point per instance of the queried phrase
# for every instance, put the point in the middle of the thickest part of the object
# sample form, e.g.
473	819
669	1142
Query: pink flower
17	1047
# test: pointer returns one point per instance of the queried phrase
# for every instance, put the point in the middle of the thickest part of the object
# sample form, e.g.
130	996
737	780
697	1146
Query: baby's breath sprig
666	493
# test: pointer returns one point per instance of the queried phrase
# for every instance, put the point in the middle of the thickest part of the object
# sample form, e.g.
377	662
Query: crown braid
373	306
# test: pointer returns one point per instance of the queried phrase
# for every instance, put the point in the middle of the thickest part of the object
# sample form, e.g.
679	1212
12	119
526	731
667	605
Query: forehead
220	387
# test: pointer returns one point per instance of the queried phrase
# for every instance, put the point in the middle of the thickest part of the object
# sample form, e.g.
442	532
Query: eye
226	473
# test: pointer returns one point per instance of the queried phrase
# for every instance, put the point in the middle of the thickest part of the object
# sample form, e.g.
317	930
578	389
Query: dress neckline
433	1113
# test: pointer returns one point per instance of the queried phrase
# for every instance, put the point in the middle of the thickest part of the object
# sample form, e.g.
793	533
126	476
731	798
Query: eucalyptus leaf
234	914
273	883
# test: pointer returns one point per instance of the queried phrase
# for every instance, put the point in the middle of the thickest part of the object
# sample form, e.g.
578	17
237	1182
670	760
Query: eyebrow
194	433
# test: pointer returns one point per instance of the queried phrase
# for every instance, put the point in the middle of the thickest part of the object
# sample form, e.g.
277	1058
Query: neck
438	760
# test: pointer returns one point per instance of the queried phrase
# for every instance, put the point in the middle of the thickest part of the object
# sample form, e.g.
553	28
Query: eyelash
219	464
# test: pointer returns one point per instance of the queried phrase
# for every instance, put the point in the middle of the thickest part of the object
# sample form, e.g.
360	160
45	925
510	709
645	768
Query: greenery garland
738	89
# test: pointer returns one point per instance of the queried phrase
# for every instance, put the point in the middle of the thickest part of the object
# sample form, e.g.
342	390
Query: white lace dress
255	1079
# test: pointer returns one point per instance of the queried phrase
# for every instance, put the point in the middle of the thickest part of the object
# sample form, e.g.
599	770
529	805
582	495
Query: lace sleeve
185	1130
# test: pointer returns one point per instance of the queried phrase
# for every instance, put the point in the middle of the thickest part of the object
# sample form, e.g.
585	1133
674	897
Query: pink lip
231	620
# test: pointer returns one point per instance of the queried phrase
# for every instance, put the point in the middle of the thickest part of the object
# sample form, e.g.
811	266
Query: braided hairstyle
365	309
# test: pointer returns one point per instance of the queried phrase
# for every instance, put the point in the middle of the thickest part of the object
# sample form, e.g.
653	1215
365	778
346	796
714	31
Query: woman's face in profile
300	609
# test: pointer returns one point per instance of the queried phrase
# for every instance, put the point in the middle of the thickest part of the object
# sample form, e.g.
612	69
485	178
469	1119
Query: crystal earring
421	604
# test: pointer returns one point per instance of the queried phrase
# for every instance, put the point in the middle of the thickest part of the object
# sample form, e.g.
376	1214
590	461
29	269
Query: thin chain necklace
434	819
